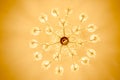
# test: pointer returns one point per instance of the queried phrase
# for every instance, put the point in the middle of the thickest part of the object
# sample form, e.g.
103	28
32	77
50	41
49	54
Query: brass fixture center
64	40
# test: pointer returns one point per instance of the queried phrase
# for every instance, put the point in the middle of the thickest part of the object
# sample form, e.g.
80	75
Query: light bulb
57	57
94	38
84	60
45	64
37	56
76	29
33	43
62	22
35	31
49	30
55	12
80	42
46	47
83	17
59	70
43	18
91	53
72	52
74	67
68	11
91	28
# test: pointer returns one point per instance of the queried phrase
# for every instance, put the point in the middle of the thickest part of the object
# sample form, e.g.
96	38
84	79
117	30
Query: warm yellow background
17	17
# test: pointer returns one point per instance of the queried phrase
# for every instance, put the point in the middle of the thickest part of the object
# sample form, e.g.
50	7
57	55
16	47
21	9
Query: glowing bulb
55	12
91	53
85	60
49	30
43	18
38	56
46	47
33	43
62	22
72	52
80	42
59	70
68	11
94	38
45	64
57	57
76	29
35	31
83	17
91	28
74	67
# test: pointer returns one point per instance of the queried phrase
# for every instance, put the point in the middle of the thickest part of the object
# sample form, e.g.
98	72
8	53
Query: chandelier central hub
64	40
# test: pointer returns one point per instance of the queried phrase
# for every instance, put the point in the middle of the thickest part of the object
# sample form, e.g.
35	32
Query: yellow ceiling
17	17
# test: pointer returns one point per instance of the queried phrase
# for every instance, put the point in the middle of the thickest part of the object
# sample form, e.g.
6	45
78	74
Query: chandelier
63	40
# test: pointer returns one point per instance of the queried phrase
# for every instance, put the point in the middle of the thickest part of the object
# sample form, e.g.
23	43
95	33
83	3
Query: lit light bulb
84	60
94	38
83	17
91	28
43	18
46	47
72	52
33	43
76	29
68	11
57	57
74	67
80	42
45	64
55	12
62	22
37	56
35	31
59	70
91	53
49	30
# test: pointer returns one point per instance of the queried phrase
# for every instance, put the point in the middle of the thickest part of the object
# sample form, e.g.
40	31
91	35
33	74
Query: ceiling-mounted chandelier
63	40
